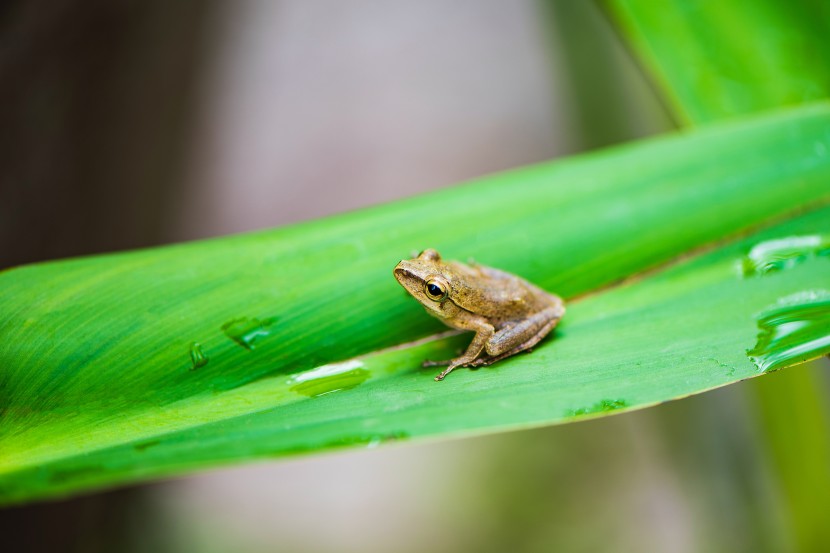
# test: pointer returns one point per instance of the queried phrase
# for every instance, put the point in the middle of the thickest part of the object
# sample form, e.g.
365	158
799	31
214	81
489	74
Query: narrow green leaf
130	366
719	59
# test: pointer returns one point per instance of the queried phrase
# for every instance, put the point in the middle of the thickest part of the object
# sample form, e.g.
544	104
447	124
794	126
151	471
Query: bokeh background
130	124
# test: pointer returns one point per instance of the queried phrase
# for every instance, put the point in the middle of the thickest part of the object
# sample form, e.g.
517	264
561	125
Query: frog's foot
446	371
472	365
490	359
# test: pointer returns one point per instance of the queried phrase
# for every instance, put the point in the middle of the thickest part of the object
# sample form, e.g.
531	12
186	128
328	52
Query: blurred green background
204	118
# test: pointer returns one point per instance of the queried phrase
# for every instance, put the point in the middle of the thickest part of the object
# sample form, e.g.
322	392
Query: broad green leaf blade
129	366
664	337
678	332
719	59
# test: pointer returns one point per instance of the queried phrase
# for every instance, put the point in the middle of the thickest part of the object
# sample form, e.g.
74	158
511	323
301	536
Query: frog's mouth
406	277
410	278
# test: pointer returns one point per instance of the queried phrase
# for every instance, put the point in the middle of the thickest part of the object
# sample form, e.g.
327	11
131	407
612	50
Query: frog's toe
446	371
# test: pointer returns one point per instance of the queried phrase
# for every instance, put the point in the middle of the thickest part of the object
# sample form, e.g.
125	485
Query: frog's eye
435	289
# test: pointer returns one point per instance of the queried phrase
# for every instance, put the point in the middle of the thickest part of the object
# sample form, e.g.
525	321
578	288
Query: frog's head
426	279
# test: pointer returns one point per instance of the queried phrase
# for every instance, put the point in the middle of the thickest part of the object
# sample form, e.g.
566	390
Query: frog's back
498	295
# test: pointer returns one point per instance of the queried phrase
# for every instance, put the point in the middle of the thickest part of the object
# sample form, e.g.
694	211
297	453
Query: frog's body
507	313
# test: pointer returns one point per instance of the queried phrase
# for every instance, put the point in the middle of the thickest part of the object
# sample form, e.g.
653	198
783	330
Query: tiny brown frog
508	314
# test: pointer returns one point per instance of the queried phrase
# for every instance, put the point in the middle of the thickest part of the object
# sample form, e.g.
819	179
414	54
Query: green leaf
719	59
131	366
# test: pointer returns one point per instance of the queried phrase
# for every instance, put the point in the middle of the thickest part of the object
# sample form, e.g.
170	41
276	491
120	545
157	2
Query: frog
508	314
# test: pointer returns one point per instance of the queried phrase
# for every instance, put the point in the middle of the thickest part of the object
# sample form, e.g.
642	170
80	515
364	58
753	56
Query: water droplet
329	378
730	369
784	253
601	406
197	356
245	331
794	330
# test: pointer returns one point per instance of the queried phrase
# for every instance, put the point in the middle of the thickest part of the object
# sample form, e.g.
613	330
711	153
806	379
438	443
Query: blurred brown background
129	124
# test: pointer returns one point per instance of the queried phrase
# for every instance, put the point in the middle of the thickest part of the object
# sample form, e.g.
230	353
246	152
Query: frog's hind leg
526	346
534	330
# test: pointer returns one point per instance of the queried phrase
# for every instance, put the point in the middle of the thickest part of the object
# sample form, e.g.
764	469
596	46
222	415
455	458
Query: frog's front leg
484	332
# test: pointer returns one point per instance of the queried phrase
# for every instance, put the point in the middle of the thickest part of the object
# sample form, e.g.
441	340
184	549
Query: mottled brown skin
508	314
